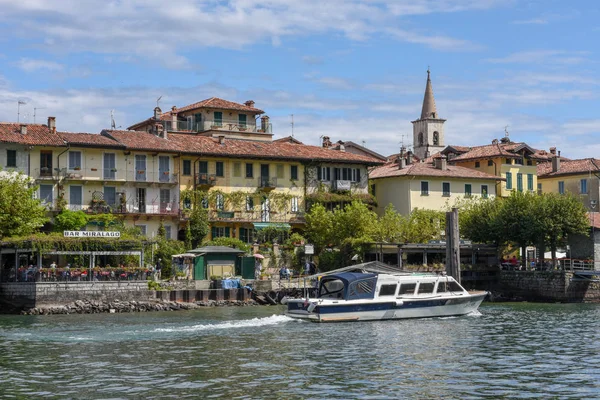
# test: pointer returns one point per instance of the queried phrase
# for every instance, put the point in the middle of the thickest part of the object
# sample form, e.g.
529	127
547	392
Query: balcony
210	125
340	185
267	183
146	176
45	174
154	208
206	180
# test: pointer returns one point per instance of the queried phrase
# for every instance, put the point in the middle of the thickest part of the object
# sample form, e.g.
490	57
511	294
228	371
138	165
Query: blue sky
351	70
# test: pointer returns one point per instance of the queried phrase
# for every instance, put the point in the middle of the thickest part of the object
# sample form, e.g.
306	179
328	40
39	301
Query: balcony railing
45	173
143	175
206	179
265	182
223	125
255	216
342	185
160	208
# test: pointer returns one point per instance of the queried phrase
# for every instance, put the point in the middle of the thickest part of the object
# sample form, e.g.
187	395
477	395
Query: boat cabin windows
407	288
426	287
387	290
331	289
442	287
453	286
362	289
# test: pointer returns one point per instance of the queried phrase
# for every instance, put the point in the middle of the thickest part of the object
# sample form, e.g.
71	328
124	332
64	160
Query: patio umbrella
259	256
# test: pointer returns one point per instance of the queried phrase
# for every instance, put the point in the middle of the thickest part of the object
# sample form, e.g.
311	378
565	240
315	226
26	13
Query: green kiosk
218	262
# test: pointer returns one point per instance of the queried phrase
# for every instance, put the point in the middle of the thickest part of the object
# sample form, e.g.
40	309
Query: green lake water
509	350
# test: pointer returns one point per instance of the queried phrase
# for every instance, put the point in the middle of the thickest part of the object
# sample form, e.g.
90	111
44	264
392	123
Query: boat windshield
331	289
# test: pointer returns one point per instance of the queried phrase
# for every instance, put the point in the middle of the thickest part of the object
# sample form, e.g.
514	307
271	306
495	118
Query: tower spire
428	110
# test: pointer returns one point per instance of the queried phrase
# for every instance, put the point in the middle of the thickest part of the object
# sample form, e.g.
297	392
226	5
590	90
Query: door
165	200
199	268
75	198
110	166
265	211
140	168
45	163
163	169
247	267
141	200
264	175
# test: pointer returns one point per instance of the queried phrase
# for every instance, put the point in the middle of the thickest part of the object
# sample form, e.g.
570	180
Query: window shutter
227	230
319	174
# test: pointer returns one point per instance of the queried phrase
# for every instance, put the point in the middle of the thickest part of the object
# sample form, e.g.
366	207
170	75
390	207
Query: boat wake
249	323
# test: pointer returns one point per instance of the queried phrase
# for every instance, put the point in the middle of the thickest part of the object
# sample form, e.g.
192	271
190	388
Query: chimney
556	163
174	127
402	151
401	162
23	129
157	113
440	163
264	123
249	103
552	150
495	141
341	146
160	130
326	142
221	139
52	124
409	157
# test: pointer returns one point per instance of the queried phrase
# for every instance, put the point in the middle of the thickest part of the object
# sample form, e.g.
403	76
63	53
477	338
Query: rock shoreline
117	306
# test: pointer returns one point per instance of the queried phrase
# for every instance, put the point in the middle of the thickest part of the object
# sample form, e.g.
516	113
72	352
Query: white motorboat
352	296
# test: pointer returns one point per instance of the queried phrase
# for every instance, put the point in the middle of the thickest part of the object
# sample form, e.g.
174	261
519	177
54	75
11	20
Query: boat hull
341	311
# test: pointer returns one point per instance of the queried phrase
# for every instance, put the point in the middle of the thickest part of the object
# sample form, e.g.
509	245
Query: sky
350	70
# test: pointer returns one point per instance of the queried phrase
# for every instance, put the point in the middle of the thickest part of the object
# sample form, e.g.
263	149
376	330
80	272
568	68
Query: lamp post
593	204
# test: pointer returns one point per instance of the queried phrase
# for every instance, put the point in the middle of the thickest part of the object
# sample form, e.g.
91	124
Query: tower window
420	138
436	138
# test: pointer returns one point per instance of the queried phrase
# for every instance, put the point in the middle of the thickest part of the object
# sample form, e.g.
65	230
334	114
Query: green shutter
227	231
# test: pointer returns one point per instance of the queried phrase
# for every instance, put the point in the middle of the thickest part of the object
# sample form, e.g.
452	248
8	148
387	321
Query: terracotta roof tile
428	170
37	135
499	149
139	140
215	102
569	167
88	139
594	218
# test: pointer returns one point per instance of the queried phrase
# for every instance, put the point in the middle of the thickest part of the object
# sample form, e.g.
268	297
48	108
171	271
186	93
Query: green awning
276	225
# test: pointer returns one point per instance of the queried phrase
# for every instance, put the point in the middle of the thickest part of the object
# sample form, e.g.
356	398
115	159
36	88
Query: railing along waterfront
33	274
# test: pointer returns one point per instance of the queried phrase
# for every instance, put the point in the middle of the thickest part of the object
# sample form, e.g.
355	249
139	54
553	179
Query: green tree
423	226
319	227
20	213
229	242
164	250
519	219
68	220
478	220
389	226
161	233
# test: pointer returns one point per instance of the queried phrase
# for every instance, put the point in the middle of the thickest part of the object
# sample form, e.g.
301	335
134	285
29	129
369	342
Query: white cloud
30	65
542	56
582	127
334	83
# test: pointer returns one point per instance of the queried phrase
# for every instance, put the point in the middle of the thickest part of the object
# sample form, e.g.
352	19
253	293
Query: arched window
436	138
421	139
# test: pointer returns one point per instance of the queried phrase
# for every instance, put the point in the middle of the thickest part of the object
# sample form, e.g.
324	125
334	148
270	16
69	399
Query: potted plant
77	168
113	170
94	169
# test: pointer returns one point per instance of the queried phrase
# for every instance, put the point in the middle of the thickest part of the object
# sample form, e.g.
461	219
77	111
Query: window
477	164
143	229
75	197
45	163
198	122
529	162
220	168
373	190
407	288
509	180
442	287
204	202
454	287
237	169
426	287
584	186
242	120
140	167
164	169
424	188
508	161
294	204
294	172
436	138
520	182
561	187
356	175
110	165
530	182
11	158
203	167
420	138
387	290
110	195
539	188
220	202
74	160
446	189
218	118
280	171
247	235
519	161
324	173
468	191
484	191
490	163
220	231
46	193
168	232
187	167
249	203
249	170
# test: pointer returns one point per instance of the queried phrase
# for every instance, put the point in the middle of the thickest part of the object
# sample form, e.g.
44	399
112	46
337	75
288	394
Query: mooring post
452	245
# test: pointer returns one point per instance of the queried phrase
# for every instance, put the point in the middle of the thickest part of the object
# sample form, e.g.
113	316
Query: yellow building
434	185
579	177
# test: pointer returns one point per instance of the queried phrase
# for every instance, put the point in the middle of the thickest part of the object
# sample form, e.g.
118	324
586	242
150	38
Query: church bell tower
428	131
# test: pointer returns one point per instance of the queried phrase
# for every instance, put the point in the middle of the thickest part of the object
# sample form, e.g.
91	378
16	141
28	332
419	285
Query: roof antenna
157	100
113	125
19	103
506	130
292	115
34	111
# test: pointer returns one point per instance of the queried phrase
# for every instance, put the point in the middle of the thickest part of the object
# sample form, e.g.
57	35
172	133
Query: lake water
504	351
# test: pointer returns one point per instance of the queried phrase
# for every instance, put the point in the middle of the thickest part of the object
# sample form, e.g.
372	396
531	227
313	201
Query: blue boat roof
349	277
